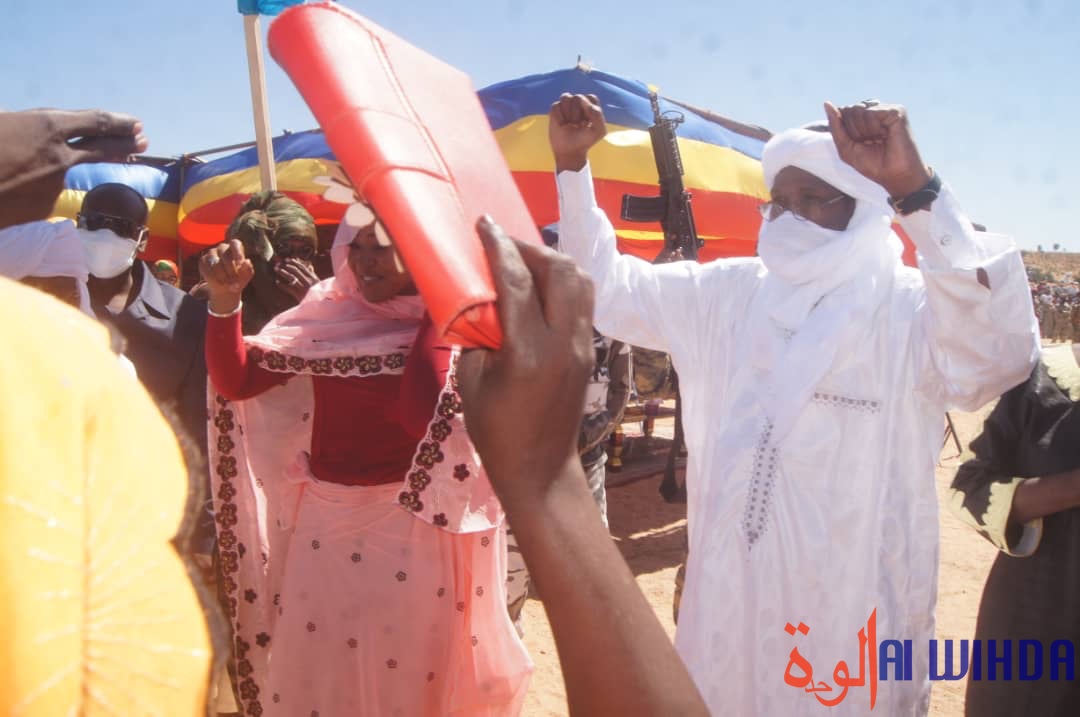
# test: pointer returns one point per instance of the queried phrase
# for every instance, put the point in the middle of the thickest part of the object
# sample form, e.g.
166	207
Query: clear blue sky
990	86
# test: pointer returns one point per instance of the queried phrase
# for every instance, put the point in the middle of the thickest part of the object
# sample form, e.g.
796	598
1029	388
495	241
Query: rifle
672	207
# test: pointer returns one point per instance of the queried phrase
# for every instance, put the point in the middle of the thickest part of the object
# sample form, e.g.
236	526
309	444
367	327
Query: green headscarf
266	220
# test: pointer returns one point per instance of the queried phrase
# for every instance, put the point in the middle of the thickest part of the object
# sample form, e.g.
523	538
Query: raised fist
575	124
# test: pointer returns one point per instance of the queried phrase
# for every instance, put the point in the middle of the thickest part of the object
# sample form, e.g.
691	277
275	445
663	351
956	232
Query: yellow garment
97	613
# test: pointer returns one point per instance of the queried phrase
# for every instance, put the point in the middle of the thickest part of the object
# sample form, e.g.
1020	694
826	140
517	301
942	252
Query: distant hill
1054	263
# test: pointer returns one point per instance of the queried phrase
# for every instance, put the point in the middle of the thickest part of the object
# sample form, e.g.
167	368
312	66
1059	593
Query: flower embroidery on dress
449	405
419	479
401	576
440	520
351	642
311	627
314	544
250	595
226	516
227	467
479	591
461	471
225	444
392	664
460	607
759	500
340	365
411	501
440	592
262	639
368	364
431	677
355	557
223	421
441	430
485	541
321	367
248	689
275	361
430	454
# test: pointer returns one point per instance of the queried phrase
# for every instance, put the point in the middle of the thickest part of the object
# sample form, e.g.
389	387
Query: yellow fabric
626	155
1061	365
995	521
98	614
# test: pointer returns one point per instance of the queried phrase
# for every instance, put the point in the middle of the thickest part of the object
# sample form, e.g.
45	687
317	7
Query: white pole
259	103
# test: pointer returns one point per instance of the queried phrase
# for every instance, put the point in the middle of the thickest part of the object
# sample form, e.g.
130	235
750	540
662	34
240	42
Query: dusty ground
650	534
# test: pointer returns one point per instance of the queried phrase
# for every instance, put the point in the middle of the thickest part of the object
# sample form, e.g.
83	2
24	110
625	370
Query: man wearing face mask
814	379
163	326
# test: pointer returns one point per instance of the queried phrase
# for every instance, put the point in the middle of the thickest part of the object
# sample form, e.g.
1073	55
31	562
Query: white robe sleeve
976	328
660	307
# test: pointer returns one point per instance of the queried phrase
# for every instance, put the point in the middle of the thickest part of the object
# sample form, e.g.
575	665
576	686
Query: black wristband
919	199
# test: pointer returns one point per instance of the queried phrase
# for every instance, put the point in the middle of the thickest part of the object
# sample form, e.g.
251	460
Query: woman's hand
295	277
226	272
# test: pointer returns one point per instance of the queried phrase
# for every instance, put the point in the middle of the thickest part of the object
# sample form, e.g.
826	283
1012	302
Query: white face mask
107	255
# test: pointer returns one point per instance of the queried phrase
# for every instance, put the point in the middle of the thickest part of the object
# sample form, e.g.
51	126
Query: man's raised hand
876	140
575	124
37	147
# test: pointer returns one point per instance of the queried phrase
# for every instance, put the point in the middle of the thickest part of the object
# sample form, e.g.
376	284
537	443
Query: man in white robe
814	380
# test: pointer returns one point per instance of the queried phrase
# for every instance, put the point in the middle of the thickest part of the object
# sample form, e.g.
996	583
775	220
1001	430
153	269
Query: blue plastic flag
264	7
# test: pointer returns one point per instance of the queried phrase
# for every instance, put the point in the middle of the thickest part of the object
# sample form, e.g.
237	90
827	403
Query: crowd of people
360	474
1057	306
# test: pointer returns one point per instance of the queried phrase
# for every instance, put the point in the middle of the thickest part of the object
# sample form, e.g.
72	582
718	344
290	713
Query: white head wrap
823	286
45	249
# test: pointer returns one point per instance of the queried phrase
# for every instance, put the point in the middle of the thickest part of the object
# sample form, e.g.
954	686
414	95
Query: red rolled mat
410	132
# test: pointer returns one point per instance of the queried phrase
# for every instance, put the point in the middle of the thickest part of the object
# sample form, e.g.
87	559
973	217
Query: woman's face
378	270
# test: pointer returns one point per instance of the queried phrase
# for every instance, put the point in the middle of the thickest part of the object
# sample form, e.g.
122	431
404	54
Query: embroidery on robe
759	500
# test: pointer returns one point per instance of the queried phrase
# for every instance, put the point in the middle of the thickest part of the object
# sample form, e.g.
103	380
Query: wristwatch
919	199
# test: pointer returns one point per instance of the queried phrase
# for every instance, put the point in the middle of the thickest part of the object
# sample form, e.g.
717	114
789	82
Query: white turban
815	152
45	249
823	286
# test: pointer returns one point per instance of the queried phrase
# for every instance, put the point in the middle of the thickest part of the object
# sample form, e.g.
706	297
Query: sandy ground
650	534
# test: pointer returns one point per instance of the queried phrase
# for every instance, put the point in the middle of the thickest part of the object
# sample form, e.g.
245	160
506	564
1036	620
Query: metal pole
259	104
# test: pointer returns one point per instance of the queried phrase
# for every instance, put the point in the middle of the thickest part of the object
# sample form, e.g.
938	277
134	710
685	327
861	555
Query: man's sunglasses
121	226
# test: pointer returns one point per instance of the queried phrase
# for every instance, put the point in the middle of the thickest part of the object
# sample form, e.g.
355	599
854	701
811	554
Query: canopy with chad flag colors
213	191
721	159
194	201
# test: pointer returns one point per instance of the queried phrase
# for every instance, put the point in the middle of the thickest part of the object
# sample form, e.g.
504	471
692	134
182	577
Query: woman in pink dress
362	548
